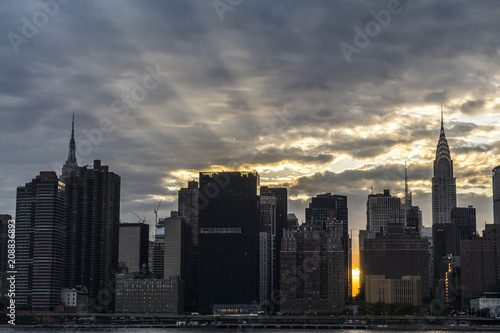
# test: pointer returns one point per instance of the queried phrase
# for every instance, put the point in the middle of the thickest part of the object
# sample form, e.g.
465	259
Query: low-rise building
143	294
490	300
408	289
75	299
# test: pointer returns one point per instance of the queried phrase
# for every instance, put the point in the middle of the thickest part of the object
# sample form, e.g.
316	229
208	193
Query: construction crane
156	212
141	220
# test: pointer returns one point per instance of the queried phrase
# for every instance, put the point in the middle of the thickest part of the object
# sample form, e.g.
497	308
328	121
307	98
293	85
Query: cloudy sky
317	96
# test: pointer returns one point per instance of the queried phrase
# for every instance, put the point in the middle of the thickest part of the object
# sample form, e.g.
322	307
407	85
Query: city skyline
265	87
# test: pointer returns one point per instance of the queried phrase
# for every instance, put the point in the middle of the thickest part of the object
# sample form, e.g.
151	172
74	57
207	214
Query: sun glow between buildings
355	281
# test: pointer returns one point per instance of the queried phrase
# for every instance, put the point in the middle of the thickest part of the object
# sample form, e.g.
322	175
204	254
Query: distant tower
444	192
496	195
71	164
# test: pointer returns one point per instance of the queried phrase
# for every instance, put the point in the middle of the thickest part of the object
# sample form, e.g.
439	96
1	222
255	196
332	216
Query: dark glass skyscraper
228	241
444	192
188	209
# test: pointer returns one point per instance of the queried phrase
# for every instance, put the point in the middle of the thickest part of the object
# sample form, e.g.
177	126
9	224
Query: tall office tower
444	247
382	209
447	238
496	194
281	194
265	272
174	257
158	264
400	252
464	225
444	191
228	242
133	249
93	218
480	259
40	243
312	269
188	208
320	209
268	202
4	241
71	165
267	247
178	252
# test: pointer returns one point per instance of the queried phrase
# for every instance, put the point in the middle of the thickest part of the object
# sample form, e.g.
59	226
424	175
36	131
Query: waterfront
146	329
203	330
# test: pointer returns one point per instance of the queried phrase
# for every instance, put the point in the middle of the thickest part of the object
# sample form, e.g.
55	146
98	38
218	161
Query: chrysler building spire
444	193
71	164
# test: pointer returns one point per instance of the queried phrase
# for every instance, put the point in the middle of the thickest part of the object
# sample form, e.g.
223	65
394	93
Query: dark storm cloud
472	107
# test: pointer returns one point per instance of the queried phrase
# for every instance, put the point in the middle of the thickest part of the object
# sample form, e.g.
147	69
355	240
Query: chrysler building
444	191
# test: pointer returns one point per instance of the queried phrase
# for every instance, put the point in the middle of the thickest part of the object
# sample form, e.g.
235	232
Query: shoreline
224	326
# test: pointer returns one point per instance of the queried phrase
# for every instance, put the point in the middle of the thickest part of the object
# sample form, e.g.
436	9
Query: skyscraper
312	269
188	208
382	209
325	206
134	248
276	197
93	218
480	259
40	242
228	242
267	246
444	193
496	194
397	253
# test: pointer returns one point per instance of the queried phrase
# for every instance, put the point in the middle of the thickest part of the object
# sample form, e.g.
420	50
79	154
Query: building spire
442	123
406	183
71	164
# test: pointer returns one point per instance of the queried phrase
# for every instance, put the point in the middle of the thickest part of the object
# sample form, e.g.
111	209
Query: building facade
382	209
401	252
144	294
408	289
188	204
325	206
312	270
480	263
133	248
228	259
40	243
93	218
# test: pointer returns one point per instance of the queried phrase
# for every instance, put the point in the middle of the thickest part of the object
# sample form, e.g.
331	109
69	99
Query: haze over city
164	90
